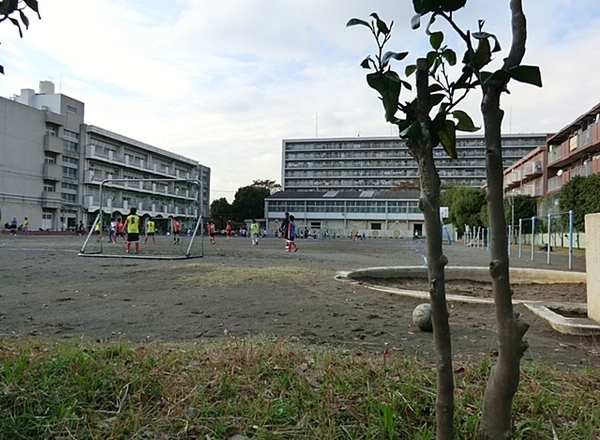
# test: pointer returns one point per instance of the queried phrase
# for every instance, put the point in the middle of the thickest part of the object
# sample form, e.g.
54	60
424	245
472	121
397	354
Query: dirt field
237	289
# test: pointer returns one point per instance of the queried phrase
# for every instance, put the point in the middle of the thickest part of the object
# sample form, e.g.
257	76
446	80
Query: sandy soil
237	289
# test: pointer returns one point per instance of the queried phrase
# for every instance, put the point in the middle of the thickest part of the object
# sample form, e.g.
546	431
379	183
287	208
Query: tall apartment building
51	165
380	163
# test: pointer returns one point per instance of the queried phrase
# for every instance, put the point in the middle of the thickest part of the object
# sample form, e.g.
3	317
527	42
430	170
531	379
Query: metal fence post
532	238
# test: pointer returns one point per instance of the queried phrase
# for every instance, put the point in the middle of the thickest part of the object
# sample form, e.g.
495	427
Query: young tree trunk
429	203
496	420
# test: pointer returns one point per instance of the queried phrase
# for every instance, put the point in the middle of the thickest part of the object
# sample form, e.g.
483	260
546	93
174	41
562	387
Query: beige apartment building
52	164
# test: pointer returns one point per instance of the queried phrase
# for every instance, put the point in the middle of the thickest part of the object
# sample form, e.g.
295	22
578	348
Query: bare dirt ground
237	289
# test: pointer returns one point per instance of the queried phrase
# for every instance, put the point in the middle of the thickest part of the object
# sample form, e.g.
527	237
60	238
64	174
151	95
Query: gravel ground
236	289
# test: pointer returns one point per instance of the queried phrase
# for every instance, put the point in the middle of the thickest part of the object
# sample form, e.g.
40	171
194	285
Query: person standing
98	230
13	226
211	232
228	231
120	229
25	226
150	230
132	226
291	244
112	233
254	232
176	229
284	228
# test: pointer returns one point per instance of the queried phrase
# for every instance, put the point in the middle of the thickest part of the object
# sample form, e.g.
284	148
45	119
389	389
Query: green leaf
418	7
450	56
436	39
403	124
17	24
431	56
415	22
410	69
388	86
395	55
412	133
356	21
465	123
435	88
24	19
483	54
485	76
452	5
2	70
448	139
406	84
497	47
33	4
498	75
526	74
439	122
435	99
381	26
366	63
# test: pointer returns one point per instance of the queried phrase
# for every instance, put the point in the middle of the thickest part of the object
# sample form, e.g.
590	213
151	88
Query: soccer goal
161	204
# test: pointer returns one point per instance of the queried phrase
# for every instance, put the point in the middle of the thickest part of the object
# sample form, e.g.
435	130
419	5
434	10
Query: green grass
220	276
264	389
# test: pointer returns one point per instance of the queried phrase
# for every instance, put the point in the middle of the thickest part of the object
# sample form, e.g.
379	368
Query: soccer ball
421	316
168	233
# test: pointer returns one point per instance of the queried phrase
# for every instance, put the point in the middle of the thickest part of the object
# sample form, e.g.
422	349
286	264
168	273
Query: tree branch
519	32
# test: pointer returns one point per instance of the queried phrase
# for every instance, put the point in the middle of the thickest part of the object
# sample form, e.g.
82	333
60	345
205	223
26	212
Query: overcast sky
224	81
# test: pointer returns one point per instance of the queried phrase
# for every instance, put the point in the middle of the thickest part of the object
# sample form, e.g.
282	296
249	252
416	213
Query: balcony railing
554	183
583	171
555	154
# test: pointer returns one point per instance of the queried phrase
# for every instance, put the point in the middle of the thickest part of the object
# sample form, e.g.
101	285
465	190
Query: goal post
180	200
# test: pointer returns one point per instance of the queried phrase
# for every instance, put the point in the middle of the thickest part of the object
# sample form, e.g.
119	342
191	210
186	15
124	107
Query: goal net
162	205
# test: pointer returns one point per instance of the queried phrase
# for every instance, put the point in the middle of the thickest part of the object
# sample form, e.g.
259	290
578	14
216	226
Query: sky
225	81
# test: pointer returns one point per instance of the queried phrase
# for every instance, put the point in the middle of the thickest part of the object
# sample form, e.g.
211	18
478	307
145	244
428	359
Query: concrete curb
543	309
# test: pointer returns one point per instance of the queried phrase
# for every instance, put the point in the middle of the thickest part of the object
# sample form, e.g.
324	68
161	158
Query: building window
71	134
50	130
70	173
71	160
69	198
71	109
49	186
49	158
69	186
376	226
70	146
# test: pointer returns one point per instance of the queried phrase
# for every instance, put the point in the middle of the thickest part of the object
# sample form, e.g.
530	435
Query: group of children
129	230
288	232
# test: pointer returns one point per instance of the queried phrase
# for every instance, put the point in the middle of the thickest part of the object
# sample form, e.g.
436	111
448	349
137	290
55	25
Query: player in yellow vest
150	230
132	226
98	230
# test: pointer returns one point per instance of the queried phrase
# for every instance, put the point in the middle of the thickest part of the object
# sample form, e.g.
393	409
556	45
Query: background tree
464	206
249	202
8	8
522	206
271	185
580	195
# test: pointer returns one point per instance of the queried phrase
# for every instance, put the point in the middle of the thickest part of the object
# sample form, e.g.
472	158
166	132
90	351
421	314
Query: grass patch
219	276
265	389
